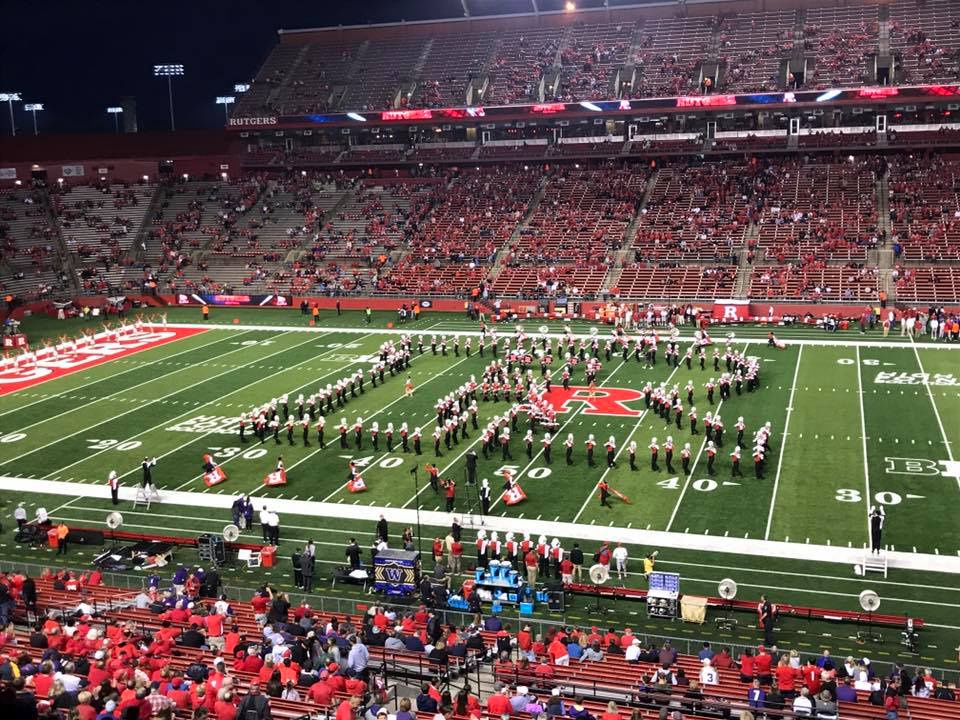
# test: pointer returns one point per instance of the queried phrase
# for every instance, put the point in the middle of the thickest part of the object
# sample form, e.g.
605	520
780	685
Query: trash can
268	556
53	542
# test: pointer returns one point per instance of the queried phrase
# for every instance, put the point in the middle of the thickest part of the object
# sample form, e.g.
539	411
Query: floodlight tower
169	71
115	110
10	98
226	101
34	108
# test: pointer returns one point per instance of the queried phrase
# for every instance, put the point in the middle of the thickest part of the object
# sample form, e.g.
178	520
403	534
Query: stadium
521	359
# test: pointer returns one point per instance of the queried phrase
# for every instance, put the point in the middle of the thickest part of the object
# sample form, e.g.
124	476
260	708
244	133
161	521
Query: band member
375	435
342	428
568	445
289	427
415	436
547	443
739	427
528	441
388	434
604	493
735	462
711	457
321	422
437	436
611	447
243	426
591	443
114	482
485	496
358	433
146	466
654	452
758	462
305	428
632	453
877	517
668	453
450	492
685	458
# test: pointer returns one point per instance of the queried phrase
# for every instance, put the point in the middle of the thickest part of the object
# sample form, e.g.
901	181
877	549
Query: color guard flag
514	495
277	477
214	476
356	484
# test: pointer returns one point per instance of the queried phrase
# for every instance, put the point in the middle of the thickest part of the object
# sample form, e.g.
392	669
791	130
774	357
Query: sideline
598	533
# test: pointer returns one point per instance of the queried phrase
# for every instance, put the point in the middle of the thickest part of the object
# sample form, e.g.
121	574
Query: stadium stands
753	47
659	678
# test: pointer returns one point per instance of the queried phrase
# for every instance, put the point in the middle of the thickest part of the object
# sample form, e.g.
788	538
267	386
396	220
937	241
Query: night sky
79	56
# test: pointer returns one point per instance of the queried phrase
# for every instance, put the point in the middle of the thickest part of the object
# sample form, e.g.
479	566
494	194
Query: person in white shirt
221	606
801	703
632	653
708	674
620	556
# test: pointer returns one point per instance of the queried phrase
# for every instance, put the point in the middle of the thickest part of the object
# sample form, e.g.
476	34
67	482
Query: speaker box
555	601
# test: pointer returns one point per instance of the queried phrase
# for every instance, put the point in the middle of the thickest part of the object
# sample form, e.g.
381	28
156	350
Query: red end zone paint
51	368
605	401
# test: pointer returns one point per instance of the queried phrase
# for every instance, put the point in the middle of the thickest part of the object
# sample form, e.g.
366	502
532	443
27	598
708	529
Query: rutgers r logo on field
605	401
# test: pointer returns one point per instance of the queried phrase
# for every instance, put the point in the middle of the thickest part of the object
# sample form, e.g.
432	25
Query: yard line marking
693	467
375	414
863	432
175	417
147	404
936	411
620	449
63	394
783	443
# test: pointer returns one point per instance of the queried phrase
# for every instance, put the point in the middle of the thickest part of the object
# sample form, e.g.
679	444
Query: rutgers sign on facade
253	121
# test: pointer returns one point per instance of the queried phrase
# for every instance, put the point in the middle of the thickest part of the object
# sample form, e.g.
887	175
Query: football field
856	421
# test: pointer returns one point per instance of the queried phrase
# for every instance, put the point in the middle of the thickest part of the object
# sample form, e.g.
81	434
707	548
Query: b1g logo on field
604	401
922	466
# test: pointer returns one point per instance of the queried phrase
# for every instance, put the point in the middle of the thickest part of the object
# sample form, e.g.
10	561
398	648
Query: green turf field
854	424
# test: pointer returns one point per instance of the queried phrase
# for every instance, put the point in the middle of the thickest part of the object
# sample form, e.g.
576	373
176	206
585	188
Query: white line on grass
560	429
863	434
138	366
783	442
693	468
165	422
118	392
936	411
373	415
151	402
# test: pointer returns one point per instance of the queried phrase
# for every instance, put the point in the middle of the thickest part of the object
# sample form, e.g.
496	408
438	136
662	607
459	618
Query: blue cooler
526	608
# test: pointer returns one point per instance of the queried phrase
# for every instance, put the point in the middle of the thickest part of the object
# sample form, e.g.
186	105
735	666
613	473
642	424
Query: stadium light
570	6
115	110
241	87
226	101
10	98
169	71
33	108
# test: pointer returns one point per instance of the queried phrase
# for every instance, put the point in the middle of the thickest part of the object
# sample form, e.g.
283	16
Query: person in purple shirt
846	691
756	695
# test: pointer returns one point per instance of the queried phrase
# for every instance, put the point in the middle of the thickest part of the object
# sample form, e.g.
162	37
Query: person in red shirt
252	663
525	641
611	638
558	652
224	709
498	704
231	640
811	678
85	711
346	710
722	660
177	694
612	713
320	692
626	640
763	664
786	676
747	667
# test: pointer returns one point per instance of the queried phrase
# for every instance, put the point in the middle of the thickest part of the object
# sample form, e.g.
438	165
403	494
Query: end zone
51	363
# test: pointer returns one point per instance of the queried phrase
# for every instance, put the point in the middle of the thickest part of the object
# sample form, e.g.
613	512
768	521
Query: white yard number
538	473
249	343
114	444
884	497
387	463
11	437
851	361
701	485
229	452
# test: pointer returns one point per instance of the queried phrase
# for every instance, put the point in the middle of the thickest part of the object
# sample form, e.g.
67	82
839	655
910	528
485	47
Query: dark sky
79	56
